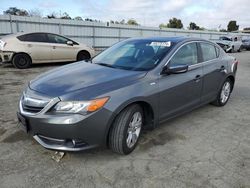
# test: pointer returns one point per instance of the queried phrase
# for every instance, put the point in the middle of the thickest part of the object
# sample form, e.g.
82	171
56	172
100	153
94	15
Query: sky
211	14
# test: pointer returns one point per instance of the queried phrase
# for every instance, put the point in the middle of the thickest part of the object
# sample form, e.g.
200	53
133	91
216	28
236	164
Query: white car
24	49
230	43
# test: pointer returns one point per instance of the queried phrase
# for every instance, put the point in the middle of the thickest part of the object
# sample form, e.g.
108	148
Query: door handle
54	47
197	78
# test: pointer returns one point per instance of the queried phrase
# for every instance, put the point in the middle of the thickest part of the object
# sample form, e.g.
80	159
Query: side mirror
69	43
175	69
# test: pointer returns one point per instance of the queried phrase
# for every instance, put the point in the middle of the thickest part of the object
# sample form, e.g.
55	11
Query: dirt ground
209	147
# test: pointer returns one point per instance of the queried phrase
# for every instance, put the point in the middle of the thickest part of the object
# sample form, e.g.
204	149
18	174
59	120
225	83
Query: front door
180	92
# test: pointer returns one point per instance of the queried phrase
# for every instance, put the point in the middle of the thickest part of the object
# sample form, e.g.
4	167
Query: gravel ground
209	147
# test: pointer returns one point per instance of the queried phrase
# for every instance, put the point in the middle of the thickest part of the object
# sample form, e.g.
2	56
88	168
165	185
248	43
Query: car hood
225	42
91	78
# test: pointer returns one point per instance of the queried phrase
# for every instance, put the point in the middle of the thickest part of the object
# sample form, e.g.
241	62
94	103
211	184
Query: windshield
137	55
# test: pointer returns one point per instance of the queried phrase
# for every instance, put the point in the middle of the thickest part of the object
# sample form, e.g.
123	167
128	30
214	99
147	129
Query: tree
232	26
78	18
193	26
172	23
17	12
175	23
161	26
132	22
52	15
35	13
65	16
223	30
89	19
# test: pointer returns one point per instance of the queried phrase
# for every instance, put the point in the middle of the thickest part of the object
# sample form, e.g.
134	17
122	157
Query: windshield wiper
106	65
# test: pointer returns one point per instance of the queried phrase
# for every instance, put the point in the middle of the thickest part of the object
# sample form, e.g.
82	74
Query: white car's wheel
21	61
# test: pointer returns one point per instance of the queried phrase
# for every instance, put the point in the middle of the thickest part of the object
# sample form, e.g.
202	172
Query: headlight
2	44
80	106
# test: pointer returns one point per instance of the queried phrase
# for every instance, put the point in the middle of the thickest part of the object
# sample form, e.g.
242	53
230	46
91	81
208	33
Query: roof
175	39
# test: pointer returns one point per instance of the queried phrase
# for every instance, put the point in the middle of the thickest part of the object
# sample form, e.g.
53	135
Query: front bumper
68	132
6	56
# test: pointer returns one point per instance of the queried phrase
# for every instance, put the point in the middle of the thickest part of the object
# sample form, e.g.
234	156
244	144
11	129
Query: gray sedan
135	84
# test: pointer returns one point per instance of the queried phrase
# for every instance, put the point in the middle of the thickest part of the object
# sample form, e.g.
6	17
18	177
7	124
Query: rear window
208	51
33	37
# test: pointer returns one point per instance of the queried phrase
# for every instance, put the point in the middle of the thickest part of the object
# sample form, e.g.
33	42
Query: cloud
48	4
206	13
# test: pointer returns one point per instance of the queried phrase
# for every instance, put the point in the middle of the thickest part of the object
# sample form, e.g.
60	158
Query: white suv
24	49
230	43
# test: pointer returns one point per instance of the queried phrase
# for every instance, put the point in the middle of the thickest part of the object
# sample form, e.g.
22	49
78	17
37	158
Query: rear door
37	46
61	51
213	70
181	92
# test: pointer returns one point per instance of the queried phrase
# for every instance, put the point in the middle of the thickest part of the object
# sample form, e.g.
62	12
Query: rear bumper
6	56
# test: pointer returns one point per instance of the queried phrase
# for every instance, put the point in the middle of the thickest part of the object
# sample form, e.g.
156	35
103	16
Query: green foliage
223	30
232	26
65	16
15	11
193	26
78	18
52	15
132	22
172	23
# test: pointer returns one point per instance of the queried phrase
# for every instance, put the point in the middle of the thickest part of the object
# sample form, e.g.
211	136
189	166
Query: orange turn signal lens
97	104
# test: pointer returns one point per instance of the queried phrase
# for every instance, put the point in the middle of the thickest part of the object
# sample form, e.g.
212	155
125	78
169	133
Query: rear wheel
224	94
21	61
83	55
126	130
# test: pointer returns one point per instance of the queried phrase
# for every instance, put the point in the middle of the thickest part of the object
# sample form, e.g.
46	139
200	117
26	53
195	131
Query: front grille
31	109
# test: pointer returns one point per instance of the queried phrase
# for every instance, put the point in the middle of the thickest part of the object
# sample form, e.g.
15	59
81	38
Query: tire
83	55
239	50
232	50
21	61
220	101
123	131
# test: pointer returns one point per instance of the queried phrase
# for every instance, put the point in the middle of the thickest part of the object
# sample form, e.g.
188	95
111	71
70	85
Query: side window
57	39
186	55
208	51
34	37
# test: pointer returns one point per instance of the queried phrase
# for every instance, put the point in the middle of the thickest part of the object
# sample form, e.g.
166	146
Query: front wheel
239	50
224	94
126	130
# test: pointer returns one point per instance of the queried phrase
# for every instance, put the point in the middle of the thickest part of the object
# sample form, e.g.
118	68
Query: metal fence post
60	28
93	35
17	26
119	33
11	27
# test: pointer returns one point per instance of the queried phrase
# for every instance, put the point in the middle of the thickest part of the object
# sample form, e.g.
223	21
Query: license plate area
23	123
